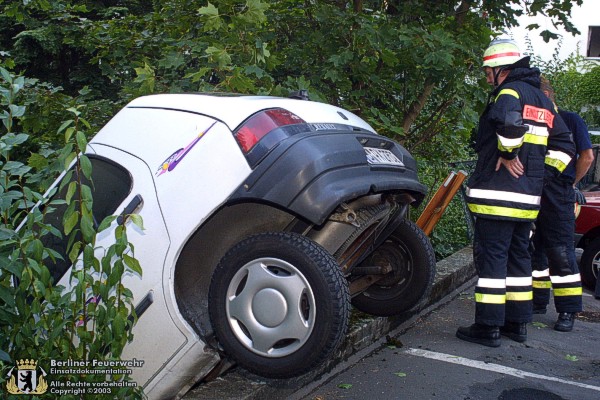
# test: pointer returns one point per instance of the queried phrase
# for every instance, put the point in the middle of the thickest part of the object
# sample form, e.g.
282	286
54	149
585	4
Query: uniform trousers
553	260
503	262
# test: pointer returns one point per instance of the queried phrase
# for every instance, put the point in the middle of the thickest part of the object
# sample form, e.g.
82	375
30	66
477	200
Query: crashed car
264	220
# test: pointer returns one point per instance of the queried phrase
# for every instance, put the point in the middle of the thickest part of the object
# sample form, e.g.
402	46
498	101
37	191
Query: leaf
4	356
14	268
106	222
547	35
37	161
132	263
74	252
71	190
255	11
17	111
69	133
87	197
81	141
118	325
116	273
35	249
69	158
64	125
400	374
345	385
539	325
87	227
208	10
146	77
7	296
6	234
39	287
71	222
218	55
393	343
571	358
198	75
85	122
86	166
137	220
14	140
212	20
6	75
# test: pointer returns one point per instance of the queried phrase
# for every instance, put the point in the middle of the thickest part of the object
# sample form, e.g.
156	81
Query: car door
123	184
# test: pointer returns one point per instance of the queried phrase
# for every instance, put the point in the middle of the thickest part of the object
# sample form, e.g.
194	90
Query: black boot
515	331
481	334
565	322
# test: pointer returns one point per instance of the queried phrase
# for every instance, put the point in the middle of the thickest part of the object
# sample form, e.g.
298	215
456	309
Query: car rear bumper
311	174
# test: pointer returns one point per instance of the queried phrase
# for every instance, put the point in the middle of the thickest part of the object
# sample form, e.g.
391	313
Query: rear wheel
409	253
589	267
279	304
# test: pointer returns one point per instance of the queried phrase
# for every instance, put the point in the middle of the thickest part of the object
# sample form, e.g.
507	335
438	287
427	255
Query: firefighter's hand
579	197
514	166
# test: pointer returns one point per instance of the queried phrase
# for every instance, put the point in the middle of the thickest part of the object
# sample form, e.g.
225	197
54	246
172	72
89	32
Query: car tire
589	266
409	252
279	304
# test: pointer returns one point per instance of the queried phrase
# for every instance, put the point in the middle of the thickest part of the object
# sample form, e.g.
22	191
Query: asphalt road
424	360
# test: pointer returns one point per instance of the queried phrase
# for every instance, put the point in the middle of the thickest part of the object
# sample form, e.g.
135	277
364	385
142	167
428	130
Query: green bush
40	320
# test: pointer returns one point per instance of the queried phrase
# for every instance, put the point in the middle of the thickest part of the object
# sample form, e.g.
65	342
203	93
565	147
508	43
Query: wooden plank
440	200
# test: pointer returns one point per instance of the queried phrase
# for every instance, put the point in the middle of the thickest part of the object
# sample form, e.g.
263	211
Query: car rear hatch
310	168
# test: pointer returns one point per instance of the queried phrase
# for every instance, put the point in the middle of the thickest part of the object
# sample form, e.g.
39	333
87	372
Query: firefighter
554	262
504	191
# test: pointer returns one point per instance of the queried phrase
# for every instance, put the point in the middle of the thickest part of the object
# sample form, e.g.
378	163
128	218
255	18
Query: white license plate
382	156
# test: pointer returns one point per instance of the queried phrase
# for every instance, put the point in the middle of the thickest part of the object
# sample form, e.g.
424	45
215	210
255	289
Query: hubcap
270	307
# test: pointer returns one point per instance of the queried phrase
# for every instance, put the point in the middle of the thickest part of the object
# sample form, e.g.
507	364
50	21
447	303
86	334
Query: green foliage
411	69
89	319
576	82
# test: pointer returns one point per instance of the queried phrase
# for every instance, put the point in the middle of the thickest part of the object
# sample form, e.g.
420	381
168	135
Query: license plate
382	157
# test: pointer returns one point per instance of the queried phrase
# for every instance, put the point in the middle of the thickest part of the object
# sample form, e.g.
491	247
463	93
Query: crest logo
26	379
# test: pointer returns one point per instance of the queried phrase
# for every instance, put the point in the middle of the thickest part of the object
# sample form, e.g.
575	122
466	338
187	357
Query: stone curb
238	384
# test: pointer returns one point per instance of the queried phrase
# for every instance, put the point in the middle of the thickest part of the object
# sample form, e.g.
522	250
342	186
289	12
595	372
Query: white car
265	218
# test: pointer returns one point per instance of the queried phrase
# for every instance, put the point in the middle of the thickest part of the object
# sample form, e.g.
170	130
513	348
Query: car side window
110	185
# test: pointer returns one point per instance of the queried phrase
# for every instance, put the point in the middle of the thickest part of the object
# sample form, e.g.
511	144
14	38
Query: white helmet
501	52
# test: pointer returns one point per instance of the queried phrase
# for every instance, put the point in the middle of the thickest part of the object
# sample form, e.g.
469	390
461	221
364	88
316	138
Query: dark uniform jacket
518	121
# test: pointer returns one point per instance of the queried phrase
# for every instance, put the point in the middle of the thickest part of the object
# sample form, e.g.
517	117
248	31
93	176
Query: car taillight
257	126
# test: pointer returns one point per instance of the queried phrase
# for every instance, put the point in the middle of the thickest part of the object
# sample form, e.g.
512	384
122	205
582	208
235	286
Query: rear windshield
111	184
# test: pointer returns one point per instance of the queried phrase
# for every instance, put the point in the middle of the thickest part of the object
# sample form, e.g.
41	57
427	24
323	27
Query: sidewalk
238	384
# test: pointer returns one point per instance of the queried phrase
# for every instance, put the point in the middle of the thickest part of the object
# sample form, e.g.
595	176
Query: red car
587	237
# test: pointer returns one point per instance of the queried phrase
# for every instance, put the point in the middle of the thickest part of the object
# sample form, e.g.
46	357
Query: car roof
234	109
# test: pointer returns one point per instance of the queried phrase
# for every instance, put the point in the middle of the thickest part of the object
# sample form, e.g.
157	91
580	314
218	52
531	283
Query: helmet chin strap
497	72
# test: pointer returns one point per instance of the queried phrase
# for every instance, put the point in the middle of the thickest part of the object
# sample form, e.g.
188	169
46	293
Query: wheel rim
596	265
399	257
270	307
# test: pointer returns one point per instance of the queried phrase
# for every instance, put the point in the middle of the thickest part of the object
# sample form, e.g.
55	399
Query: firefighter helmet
501	52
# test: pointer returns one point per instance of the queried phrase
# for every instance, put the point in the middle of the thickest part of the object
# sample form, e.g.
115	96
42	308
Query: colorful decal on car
173	160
